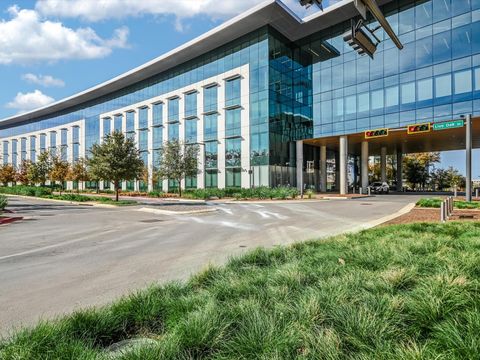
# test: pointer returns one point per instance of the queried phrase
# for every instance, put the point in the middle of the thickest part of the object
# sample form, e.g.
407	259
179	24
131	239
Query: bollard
447	207
361	191
369	191
476	193
442	212
452	203
455	192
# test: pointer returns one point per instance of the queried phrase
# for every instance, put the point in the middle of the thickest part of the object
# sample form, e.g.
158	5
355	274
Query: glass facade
33	147
130	125
315	87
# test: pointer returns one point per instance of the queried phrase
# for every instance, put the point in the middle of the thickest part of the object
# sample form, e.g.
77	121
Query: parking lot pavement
63	256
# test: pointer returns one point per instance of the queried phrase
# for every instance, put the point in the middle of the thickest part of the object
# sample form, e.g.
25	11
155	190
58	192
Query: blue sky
51	49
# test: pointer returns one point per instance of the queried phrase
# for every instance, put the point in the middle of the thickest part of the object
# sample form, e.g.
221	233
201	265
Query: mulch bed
433	215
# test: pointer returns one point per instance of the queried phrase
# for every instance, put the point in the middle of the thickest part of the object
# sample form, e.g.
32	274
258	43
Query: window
63	143
391	96
107	126
424	90
76	134
363	102
210	126
233	178
43	142
143	118
233	122
232	92
117	123
443	85
173	109
477	79
130	125
23	149
233	152
33	145
351	104
191	104
377	99
191	182
157	137
143	140
5	152
157	114
211	155
211	179
463	82
53	142
210	99
14	153
173	132
191	131
408	93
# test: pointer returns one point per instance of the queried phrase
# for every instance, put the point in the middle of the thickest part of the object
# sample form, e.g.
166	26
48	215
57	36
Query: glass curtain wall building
246	101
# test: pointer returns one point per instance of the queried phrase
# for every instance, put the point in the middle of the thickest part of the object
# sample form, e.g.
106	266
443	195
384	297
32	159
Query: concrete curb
85	203
9	220
265	201
169	212
405	210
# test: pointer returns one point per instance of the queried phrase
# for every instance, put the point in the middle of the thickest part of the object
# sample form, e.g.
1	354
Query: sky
52	49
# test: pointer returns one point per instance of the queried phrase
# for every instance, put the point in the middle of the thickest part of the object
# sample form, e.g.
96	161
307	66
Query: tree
59	170
38	172
417	168
79	172
440	179
115	159
7	174
178	161
22	173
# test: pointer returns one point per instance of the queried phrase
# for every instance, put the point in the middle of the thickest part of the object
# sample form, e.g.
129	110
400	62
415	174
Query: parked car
379	188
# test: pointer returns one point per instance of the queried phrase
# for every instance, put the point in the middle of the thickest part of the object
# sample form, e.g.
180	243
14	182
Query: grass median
459	204
397	292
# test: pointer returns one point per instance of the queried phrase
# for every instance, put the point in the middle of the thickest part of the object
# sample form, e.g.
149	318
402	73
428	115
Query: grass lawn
84	198
435	203
395	292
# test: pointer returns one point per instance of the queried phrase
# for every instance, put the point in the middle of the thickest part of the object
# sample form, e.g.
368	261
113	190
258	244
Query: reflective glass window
157	137
233	152
191	104
477	79
443	85
210	99
173	109
210	126
233	178
408	93
143	118
211	155
233	122
107	126
424	90
442	47
364	102
118	123
157	114
232	92
191	131
377	99
173	131
391	96
211	179
463	81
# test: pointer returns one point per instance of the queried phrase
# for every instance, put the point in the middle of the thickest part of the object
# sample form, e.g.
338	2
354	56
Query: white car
379	188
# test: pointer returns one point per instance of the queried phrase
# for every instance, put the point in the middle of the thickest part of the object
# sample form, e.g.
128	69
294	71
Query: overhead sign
371	134
419	128
448	125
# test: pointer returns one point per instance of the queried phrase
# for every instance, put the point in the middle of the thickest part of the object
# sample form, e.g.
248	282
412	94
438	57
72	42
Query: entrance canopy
398	140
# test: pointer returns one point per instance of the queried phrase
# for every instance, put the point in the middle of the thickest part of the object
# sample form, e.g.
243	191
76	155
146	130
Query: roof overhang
270	12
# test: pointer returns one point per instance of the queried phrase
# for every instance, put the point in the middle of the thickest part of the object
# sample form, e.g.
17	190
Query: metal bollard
361	191
442	212
369	191
455	192
452	204
476	193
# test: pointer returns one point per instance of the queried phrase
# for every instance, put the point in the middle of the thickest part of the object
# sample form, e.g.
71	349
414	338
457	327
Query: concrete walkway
63	257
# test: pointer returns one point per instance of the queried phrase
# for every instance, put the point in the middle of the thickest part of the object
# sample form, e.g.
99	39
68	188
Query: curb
9	220
85	203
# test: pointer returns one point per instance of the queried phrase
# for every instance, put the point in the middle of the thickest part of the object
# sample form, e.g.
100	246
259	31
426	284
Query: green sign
448	125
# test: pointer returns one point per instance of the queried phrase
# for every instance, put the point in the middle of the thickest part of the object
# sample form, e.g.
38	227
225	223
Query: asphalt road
63	256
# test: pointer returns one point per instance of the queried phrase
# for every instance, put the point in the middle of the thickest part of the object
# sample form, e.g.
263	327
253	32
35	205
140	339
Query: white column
300	166
200	140
150	148
165	137
343	165
383	164
323	168
221	137
364	166
245	128
399	171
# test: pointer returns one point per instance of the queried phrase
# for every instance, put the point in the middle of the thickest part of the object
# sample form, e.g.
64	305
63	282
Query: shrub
156	194
26	190
3	202
309	193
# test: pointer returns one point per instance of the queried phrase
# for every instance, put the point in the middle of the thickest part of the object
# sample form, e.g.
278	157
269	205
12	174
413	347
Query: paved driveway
66	256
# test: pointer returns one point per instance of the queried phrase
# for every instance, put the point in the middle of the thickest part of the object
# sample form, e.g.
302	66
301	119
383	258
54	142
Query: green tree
178	161
79	172
59	170
38	172
417	168
115	159
7	174
440	179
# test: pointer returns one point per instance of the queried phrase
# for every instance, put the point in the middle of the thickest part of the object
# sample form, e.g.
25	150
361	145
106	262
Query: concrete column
468	168
316	174
337	170
323	168
343	165
300	166
383	164
399	171
364	166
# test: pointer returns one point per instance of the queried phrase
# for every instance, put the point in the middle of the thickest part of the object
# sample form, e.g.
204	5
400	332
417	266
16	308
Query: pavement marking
170	212
226	210
43	248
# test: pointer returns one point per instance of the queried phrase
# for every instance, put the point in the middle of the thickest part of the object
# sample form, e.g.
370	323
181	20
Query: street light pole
468	147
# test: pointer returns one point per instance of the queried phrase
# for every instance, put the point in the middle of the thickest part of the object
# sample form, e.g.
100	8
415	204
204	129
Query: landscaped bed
398	292
47	193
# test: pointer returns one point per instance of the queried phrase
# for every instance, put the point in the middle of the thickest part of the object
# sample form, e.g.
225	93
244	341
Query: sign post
468	148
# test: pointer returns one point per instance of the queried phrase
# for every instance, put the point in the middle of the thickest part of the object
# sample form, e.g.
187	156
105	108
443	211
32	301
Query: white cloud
43	80
95	10
28	101
27	38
